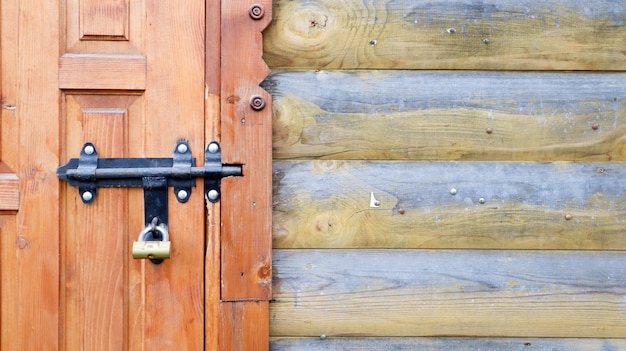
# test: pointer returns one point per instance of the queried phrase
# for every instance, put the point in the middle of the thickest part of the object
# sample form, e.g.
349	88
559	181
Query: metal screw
213	194
257	102
87	196
568	216
489	130
481	201
89	150
453	191
182	148
256	11
182	194
213	148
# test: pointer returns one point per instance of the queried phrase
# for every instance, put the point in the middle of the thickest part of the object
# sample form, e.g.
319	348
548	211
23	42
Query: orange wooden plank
93	293
247	140
99	71
10	243
175	110
37	113
212	132
244	326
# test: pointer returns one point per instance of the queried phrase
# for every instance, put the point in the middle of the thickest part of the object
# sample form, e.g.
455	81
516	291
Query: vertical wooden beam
247	140
37	113
175	110
212	132
246	134
9	243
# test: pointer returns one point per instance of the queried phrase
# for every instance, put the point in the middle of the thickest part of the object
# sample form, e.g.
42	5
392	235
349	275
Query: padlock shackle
161	229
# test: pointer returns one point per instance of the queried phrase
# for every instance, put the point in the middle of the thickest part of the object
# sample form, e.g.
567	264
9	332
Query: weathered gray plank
441	34
449	293
444	344
449	115
327	204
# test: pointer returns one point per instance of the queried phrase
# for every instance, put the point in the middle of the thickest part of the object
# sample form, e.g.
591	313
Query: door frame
238	261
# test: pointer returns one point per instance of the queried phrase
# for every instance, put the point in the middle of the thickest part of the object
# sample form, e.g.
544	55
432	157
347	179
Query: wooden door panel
96	289
104	27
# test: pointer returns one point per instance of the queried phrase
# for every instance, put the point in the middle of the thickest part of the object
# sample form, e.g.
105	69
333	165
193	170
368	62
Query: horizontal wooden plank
9	190
438	34
444	344
434	115
102	71
449	293
563	205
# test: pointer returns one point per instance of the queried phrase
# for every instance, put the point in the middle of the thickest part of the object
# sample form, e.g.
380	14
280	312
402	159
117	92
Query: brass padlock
153	250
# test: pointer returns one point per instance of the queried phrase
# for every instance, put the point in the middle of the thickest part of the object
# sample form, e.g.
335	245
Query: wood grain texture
327	204
444	344
212	125
174	110
104	20
437	115
91	71
9	141
96	304
407	34
244	326
449	293
10	243
38	126
246	137
104	27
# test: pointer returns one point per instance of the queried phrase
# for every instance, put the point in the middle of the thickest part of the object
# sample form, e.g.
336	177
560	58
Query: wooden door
133	77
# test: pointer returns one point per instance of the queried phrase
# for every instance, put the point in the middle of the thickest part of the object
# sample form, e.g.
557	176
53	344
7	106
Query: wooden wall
448	174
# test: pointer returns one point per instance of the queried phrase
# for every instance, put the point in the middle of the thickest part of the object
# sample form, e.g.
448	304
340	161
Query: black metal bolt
256	11
257	102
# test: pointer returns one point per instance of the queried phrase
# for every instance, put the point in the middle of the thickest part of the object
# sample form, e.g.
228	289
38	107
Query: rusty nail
489	130
401	211
256	11
595	126
257	102
568	216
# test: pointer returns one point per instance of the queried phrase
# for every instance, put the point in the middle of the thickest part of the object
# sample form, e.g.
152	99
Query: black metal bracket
154	175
